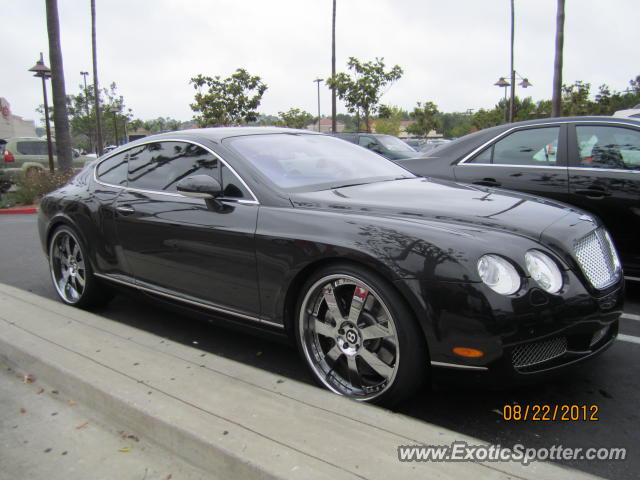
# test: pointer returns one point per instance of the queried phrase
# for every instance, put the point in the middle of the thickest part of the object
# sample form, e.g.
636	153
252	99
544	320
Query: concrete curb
16	211
227	418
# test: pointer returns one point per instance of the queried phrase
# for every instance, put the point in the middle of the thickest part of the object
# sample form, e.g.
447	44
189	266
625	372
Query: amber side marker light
468	352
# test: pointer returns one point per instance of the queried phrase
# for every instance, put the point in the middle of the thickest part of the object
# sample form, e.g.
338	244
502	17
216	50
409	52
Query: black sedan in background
378	276
590	162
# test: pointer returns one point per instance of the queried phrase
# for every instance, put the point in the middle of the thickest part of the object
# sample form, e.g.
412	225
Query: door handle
487	182
125	209
593	192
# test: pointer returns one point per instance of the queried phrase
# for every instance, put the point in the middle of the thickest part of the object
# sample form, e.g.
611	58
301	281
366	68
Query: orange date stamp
551	413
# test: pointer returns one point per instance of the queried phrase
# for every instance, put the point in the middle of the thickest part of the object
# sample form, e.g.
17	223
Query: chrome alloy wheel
67	266
349	337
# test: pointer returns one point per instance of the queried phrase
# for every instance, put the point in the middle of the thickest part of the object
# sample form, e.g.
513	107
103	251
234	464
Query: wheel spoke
358	300
324	329
332	303
333	355
66	245
354	375
81	264
375	331
374	362
80	280
75	252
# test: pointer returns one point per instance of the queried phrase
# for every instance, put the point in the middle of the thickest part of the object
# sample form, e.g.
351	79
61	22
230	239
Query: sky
452	51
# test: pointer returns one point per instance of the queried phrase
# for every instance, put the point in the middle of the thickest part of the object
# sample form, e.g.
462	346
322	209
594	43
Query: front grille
598	259
531	354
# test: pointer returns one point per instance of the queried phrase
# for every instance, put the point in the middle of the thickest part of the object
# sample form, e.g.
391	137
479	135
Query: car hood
429	200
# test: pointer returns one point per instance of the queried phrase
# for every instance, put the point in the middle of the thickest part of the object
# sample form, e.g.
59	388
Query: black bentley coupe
380	277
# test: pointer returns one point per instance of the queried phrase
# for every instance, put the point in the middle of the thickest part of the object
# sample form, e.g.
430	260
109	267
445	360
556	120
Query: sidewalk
226	418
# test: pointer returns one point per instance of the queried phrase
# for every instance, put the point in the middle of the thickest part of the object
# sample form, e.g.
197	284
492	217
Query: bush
37	183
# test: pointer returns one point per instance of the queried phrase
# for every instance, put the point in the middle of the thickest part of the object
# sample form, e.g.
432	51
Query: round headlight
498	274
544	271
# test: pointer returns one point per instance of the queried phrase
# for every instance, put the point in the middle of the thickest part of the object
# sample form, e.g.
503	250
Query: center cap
351	336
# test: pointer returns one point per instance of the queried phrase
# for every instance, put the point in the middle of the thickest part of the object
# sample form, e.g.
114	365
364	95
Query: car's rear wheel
71	271
358	336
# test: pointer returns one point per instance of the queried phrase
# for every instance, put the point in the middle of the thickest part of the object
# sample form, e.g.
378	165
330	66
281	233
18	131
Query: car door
201	250
530	160
604	178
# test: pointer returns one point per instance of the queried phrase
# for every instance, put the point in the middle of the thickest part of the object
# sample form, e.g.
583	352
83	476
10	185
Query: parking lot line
630	316
628	338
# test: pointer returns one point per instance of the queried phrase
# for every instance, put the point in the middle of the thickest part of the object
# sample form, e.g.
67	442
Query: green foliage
425	118
362	88
389	118
294	118
229	101
156	125
34	186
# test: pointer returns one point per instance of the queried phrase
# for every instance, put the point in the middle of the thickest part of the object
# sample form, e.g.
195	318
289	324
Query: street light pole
504	84
86	104
115	111
318	80
44	72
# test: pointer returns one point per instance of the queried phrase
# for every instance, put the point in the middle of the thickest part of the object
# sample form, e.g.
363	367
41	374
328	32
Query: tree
575	99
294	118
389	119
60	116
333	69
82	121
231	101
425	117
96	87
556	100
361	90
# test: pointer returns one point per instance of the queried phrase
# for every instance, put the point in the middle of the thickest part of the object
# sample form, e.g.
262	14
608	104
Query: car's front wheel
358	336
71	271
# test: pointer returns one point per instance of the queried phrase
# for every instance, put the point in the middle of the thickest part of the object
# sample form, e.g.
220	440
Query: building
12	125
325	126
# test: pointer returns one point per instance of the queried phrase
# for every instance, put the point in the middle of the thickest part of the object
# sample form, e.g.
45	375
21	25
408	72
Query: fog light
468	352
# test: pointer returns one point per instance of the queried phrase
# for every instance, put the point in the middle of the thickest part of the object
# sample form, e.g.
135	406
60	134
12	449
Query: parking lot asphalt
609	382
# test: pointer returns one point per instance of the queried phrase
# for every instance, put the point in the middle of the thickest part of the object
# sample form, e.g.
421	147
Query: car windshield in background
394	144
313	162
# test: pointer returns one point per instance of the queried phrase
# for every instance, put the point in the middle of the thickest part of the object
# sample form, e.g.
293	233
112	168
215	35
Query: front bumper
521	337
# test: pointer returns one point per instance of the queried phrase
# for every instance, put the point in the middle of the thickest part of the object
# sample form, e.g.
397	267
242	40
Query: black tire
380	358
71	271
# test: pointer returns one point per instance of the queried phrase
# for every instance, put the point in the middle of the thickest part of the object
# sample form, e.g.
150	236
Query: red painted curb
11	211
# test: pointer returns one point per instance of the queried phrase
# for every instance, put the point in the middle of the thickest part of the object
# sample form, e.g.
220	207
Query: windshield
394	144
313	162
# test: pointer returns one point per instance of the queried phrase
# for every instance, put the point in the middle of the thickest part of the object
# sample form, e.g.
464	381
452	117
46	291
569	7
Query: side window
232	187
535	146
367	142
161	165
113	170
608	147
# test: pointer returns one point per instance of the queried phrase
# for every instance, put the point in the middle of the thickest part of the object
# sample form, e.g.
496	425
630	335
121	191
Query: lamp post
318	80
44	72
86	104
509	108
115	111
502	83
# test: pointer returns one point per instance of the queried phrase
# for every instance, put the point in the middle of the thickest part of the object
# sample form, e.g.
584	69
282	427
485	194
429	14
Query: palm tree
60	116
96	89
556	102
333	70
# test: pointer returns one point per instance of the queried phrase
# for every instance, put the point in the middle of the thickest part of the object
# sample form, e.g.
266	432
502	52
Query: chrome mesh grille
598	259
537	352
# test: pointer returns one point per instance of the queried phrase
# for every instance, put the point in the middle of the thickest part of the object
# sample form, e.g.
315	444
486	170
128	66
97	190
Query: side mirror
199	186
